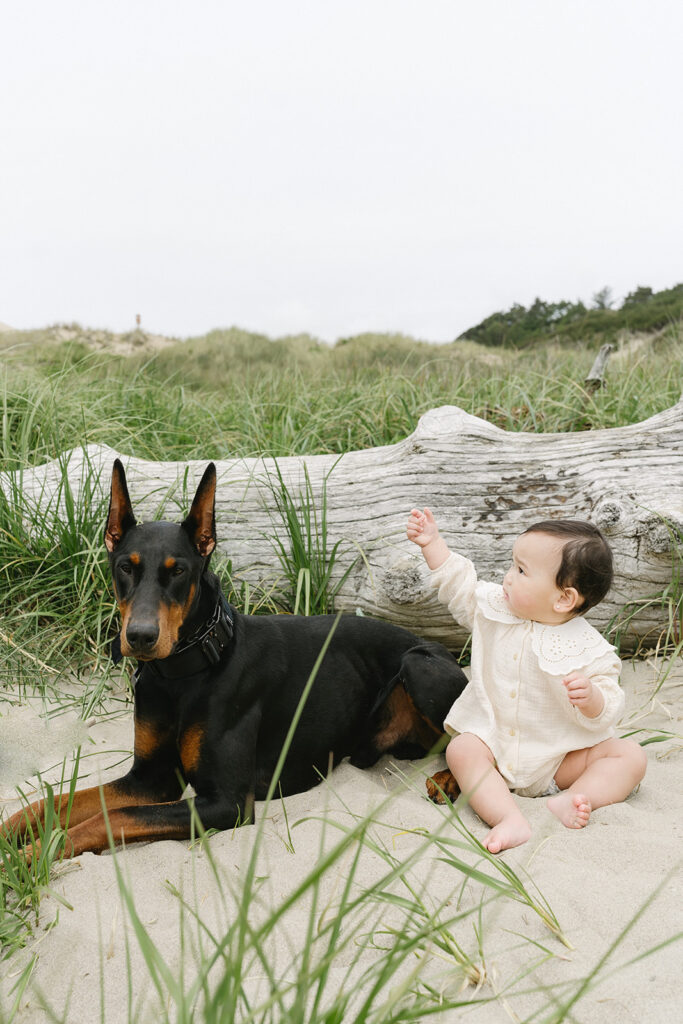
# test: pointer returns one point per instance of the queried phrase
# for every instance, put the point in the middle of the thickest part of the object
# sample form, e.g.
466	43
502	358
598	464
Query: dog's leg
222	807
86	802
132	817
129	790
148	822
153	777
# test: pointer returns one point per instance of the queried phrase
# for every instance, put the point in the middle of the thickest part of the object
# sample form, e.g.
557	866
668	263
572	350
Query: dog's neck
208	592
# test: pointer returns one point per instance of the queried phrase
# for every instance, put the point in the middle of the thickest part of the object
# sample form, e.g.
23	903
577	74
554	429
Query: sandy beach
89	963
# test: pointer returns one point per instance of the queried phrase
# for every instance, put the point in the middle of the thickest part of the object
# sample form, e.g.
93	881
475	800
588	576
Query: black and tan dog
216	691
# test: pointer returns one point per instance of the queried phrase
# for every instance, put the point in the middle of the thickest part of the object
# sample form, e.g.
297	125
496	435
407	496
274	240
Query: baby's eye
519	569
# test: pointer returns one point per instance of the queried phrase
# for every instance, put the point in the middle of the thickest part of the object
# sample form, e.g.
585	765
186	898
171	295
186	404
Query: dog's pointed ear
120	518
201	520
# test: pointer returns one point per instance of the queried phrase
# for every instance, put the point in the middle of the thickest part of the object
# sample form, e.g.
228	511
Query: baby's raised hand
422	528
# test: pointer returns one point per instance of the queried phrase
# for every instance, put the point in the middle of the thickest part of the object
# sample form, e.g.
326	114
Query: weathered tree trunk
484	485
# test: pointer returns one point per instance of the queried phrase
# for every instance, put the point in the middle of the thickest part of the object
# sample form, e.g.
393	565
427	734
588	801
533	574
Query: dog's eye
126	569
177	570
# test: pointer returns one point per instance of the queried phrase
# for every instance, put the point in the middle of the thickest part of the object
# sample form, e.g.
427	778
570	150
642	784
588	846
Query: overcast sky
334	166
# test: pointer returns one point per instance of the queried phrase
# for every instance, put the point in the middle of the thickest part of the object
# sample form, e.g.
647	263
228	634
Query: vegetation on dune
231	393
642	310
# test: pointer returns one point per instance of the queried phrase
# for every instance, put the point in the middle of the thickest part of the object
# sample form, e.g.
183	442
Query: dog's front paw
442	785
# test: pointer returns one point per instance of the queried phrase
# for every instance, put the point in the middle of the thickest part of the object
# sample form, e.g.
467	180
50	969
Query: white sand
595	881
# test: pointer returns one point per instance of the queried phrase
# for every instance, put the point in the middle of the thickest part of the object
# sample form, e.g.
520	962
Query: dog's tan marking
405	723
124	611
170	562
135	558
148	739
171	618
191	747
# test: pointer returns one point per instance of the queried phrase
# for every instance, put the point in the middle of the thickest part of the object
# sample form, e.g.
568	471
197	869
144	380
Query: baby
539	712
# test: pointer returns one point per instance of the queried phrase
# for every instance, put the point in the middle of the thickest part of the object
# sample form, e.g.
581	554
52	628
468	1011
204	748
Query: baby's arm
424	532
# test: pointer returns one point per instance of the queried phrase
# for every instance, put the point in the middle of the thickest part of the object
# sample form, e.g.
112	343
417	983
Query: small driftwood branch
596	378
485	485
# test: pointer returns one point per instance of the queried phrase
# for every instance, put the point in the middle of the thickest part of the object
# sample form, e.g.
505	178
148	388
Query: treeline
641	310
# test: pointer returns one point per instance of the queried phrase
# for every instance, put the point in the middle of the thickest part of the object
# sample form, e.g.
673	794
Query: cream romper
515	701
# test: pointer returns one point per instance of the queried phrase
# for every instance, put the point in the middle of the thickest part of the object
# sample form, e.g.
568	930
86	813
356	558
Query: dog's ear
201	520
120	518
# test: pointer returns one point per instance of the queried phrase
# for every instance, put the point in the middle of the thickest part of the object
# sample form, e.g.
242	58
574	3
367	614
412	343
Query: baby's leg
596	776
472	764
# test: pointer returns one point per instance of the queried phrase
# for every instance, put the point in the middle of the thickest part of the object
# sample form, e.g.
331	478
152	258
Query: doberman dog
216	690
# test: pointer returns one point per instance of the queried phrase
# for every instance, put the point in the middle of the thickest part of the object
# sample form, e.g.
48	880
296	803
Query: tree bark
485	485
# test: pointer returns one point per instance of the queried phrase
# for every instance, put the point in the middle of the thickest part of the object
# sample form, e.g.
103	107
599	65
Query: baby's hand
422	528
583	695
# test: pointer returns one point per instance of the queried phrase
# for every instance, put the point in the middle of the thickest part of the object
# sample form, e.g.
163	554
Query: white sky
334	166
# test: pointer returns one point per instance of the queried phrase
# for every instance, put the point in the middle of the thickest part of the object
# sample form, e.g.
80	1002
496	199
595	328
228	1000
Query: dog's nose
142	636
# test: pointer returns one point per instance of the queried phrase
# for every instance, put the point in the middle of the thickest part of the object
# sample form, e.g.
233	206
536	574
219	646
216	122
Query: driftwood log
484	485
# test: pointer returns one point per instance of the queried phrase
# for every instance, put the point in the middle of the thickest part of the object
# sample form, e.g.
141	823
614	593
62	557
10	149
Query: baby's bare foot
573	809
513	830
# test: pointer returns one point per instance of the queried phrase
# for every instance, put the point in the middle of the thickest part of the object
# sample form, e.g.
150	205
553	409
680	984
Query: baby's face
529	585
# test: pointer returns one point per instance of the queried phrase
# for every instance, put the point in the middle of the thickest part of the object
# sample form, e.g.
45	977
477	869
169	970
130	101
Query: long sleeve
456	581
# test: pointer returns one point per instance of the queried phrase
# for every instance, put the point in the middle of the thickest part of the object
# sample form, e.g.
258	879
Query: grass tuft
301	543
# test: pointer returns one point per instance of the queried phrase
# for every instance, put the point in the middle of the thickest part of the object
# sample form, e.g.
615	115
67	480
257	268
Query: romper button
513	693
514	657
512	732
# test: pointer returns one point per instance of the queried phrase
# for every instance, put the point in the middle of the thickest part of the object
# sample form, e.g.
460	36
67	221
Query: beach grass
231	395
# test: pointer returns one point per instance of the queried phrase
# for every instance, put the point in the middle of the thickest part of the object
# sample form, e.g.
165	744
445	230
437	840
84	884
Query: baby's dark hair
586	558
